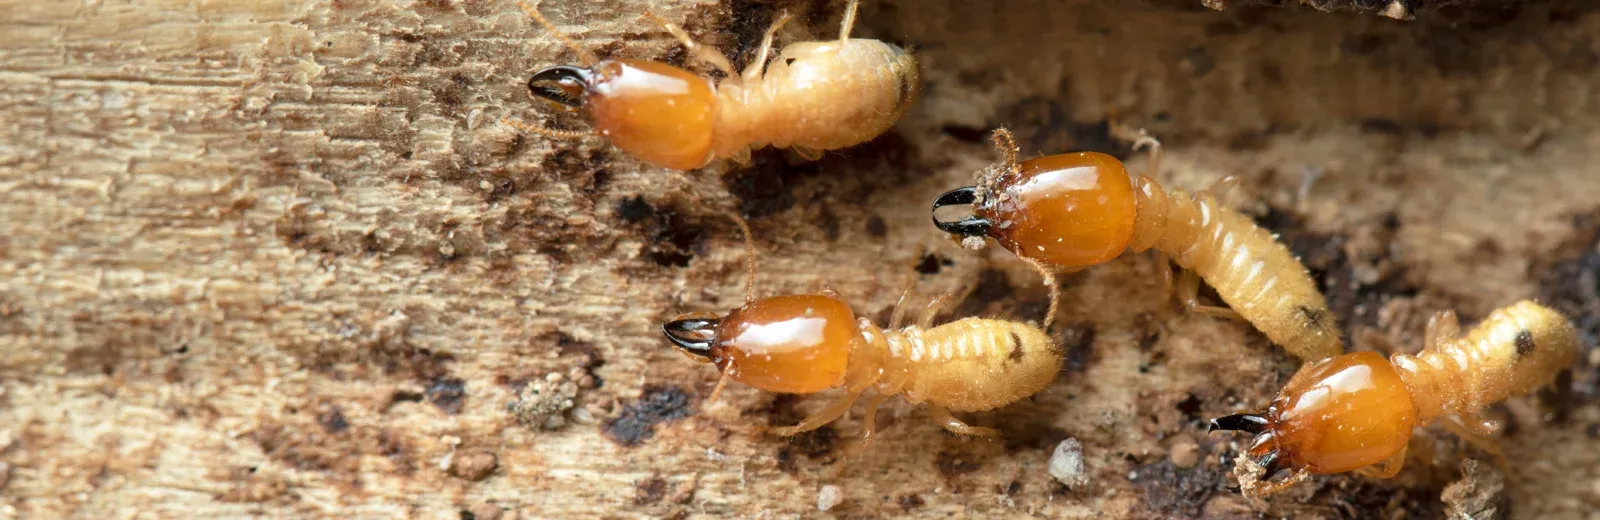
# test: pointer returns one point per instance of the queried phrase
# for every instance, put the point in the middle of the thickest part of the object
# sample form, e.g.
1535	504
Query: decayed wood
282	259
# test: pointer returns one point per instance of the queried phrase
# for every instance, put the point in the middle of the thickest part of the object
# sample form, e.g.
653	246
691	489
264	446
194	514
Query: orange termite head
1334	415
653	111
791	344
1070	210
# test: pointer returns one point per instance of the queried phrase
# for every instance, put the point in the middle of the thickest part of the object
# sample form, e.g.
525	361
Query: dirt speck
931	263
1184	453
473	465
877	227
910	502
448	394
638	421
634	209
649	491
1066	464
1175	492
332	420
816	443
1480	494
953	463
483	511
1077	343
544	401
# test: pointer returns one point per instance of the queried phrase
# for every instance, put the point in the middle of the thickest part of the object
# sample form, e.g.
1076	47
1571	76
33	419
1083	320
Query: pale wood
225	220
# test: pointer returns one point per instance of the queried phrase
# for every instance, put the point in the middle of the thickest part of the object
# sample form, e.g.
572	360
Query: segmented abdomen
1516	349
975	364
817	97
1255	274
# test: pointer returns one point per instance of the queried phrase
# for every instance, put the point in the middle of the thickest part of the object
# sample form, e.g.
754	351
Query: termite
1074	210
817	96
803	344
1355	412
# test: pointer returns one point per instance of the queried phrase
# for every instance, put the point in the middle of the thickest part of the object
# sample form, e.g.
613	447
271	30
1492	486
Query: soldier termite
817	96
810	343
1074	210
1357	411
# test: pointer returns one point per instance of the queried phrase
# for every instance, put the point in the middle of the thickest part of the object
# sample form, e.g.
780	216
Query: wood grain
281	259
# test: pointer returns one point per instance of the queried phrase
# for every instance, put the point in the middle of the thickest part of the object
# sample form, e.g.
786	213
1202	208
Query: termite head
1335	415
1068	210
656	112
792	344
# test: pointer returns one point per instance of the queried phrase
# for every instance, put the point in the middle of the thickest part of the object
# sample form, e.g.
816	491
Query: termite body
1070	211
1356	411
817	96
810	343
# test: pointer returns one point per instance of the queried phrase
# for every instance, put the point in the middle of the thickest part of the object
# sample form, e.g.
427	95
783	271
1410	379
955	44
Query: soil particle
657	404
473	465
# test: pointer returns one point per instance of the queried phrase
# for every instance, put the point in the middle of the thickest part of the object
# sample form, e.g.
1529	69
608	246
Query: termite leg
954	425
1219	188
1164	266
926	319
696	49
1189	293
899	314
1386	469
754	69
828	414
1143	139
1477	436
807	153
1442	327
869	422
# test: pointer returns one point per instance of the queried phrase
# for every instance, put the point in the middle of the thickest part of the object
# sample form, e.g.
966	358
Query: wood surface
284	260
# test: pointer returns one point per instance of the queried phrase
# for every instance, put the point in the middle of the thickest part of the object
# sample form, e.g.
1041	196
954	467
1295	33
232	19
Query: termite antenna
749	257
588	58
547	132
849	22
1007	145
